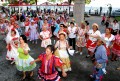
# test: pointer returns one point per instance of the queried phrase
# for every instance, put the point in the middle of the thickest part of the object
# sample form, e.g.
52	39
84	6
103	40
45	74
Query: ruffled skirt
12	54
91	45
63	55
116	49
24	64
45	43
48	77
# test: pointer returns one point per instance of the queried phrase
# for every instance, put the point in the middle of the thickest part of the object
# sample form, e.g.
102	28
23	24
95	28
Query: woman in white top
115	27
33	32
72	31
12	40
61	51
109	38
91	42
45	37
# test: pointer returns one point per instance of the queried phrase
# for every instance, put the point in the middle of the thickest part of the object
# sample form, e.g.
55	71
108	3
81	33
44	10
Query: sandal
23	78
31	74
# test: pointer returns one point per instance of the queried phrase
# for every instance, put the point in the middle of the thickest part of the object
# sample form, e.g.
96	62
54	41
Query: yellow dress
62	53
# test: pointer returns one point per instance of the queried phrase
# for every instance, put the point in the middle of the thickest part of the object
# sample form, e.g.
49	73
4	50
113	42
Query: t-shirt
115	26
72	31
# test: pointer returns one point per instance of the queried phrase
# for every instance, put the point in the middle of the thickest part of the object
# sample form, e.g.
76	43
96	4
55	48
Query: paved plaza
81	66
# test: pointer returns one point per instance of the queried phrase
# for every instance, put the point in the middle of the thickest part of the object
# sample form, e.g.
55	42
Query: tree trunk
78	11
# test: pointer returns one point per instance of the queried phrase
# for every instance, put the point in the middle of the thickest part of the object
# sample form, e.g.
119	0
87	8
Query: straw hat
99	66
32	20
63	33
95	24
102	39
73	19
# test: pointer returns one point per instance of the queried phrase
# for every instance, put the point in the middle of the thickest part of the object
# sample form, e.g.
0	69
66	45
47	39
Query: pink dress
81	42
116	45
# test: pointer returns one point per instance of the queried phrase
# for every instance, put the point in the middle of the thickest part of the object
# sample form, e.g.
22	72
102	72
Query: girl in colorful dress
91	42
47	71
109	38
103	19
27	23
24	59
116	47
33	32
27	31
61	52
12	39
45	37
81	38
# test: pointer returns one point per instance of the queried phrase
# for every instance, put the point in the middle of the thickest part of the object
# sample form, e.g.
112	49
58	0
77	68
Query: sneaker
80	53
33	42
118	68
12	62
91	76
28	39
77	52
36	42
87	56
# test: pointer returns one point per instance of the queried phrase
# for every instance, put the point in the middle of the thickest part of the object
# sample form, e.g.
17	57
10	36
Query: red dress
36	19
47	70
116	45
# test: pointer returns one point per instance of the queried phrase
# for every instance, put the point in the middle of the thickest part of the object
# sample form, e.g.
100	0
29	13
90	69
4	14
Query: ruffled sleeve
41	57
27	47
57	44
58	62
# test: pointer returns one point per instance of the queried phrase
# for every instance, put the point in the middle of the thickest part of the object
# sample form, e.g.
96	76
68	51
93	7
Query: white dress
12	52
46	38
33	32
